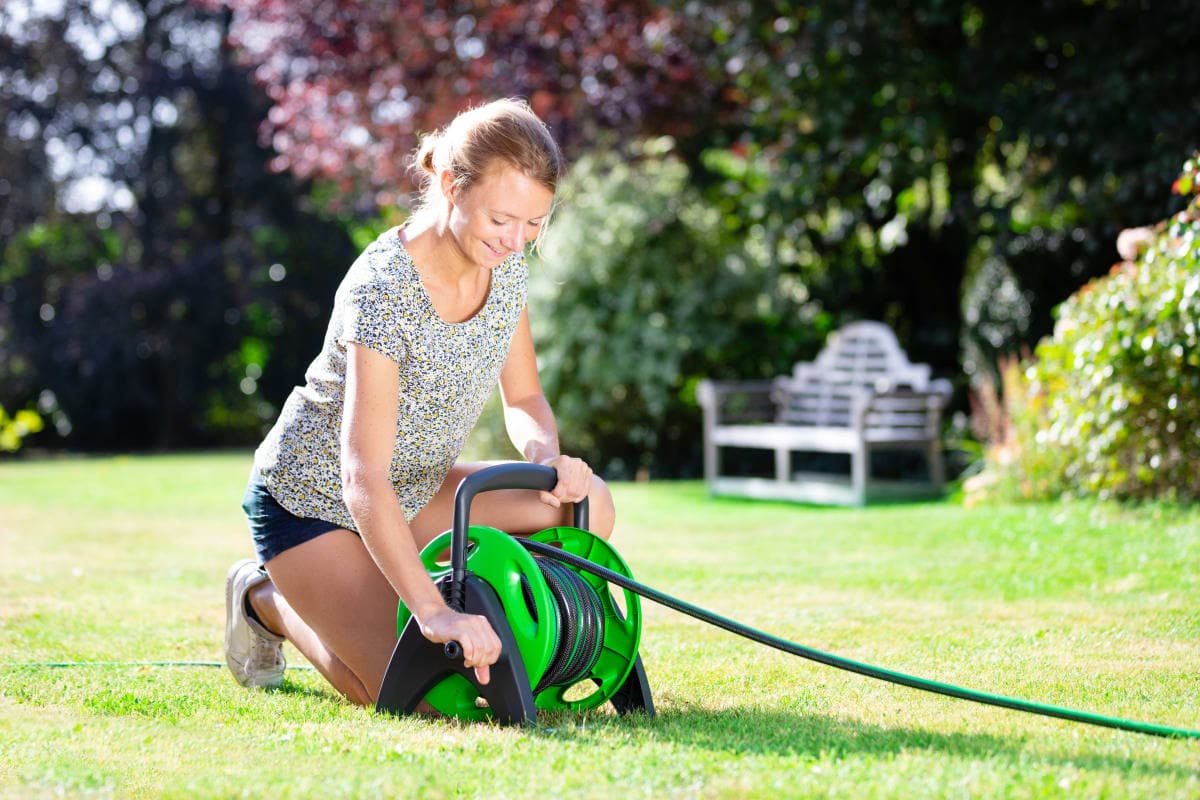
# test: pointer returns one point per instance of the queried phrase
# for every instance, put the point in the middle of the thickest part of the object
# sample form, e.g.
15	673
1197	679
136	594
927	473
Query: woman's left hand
574	481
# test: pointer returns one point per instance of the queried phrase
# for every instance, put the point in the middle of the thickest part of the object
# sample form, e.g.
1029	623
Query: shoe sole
229	592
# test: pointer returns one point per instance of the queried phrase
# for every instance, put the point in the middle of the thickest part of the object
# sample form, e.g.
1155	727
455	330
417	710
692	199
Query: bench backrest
861	354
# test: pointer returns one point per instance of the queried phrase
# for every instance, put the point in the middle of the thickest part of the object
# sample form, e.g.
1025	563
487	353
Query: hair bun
429	144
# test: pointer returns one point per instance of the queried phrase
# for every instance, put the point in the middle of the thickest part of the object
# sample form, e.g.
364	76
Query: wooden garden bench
861	395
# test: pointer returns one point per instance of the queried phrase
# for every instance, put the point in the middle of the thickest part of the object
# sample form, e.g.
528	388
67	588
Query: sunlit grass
1085	605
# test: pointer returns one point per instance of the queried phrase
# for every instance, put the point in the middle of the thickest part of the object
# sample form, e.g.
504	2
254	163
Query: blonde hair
507	130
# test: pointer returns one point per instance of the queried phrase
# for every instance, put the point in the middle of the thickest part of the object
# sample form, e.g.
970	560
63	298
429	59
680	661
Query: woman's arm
530	421
367	439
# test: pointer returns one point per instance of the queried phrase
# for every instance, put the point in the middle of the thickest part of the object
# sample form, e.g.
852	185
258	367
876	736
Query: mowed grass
1084	605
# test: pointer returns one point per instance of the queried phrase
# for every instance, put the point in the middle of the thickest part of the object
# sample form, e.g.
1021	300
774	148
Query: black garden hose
580	625
854	666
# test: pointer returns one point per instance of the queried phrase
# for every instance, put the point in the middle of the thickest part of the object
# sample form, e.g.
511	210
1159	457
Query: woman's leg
343	620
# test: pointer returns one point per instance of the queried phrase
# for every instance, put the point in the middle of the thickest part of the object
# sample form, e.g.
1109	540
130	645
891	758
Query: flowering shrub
1111	404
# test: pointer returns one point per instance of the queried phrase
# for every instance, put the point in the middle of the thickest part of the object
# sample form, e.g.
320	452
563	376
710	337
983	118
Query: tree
355	81
638	297
894	154
155	261
888	161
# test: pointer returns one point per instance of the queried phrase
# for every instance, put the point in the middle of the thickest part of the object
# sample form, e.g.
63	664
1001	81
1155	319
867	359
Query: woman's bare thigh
334	585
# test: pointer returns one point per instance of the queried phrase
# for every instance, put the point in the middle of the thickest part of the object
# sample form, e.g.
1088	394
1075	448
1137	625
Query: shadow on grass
779	733
787	733
321	691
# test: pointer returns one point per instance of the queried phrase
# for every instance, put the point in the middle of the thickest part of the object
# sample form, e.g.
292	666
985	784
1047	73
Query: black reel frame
417	664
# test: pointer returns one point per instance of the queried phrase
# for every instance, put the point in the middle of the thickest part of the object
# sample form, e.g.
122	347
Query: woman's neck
432	246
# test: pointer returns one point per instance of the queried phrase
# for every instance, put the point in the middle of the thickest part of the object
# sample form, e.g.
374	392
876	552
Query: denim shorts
274	528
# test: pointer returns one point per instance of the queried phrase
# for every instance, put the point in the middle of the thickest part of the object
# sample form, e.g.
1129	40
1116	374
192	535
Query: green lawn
1083	605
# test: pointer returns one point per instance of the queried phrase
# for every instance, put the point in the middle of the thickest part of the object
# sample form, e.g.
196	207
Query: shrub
15	428
640	295
1112	404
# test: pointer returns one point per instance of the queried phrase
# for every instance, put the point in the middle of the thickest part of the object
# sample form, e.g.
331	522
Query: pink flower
1132	242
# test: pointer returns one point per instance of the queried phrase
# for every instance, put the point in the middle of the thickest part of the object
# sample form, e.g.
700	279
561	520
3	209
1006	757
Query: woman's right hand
480	644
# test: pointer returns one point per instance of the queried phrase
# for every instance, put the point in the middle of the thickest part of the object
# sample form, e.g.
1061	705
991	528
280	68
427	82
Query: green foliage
182	315
1113	403
947	166
75	249
914	150
15	428
859	140
641	294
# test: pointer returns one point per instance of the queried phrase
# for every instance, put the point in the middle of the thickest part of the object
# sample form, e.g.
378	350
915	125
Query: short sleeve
373	315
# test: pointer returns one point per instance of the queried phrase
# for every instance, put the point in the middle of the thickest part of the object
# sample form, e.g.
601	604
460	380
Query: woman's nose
514	237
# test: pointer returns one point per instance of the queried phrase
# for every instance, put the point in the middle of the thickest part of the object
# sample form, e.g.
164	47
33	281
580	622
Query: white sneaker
253	653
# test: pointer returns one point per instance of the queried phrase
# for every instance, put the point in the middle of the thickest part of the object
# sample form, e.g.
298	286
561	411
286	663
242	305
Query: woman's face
498	215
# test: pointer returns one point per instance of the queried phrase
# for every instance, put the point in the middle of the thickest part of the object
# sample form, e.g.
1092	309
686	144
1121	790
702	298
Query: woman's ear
449	186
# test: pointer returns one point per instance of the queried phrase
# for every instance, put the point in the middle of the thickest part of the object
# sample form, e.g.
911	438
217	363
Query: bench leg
937	469
782	464
860	464
711	463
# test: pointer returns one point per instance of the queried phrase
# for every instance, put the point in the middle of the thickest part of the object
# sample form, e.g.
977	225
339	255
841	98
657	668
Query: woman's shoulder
384	263
387	257
381	278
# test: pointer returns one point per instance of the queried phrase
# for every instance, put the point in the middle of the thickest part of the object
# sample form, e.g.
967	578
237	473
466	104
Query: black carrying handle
516	475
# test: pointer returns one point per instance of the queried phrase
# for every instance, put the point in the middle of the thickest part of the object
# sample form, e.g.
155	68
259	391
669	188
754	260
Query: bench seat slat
829	439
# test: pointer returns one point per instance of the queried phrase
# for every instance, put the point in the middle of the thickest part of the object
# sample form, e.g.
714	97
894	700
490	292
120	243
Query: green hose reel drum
622	630
565	641
532	609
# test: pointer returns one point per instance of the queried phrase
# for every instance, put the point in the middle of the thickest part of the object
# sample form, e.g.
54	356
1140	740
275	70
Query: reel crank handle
516	475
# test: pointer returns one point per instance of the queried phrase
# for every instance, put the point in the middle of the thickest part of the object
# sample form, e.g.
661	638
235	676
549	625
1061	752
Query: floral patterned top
447	372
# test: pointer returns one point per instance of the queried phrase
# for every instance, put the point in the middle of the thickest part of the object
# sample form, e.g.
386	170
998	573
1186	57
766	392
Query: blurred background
184	184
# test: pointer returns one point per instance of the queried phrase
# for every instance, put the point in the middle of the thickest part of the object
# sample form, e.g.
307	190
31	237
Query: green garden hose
64	664
850	665
580	625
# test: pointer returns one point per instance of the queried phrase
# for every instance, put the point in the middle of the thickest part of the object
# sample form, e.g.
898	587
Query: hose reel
539	620
561	629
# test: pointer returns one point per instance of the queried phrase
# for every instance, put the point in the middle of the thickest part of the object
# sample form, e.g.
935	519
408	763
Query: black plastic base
418	665
634	694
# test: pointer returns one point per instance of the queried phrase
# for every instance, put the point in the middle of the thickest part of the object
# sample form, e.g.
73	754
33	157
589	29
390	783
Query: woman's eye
497	222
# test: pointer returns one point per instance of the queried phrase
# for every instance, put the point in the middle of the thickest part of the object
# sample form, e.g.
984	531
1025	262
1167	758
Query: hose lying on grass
753	634
855	666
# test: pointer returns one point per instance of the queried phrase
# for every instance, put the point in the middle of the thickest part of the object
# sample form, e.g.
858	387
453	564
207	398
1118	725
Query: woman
359	472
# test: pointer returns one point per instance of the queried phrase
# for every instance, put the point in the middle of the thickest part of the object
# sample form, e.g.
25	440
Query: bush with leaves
15	428
1113	398
638	296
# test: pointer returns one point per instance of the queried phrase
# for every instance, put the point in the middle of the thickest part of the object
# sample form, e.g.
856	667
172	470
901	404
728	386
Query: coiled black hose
580	624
